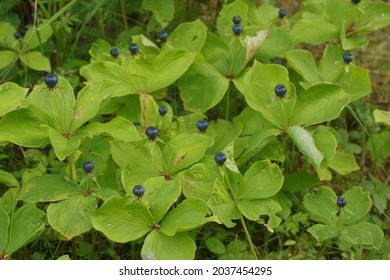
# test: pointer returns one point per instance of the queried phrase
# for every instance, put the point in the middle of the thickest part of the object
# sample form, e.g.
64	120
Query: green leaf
253	43
358	205
53	107
163	10
122	83
364	234
36	61
100	51
321	102
223	206
376	15
190	214
382	116
332	66
252	209
258	87
225	133
6	178
321	205
7	57
343	163
263	179
378	145
356	82
158	246
326	143
22	128
48	188
4	223
215	245
71	217
119	128
65	144
169	66
305	143
202	87
277	43
303	31
7	35
88	102
11	96
120	222
183	150
256	134
324	232
37	35
146	46
28	223
189	36
237	57
198	181
136	172
157	188
302	61
299	181
224	22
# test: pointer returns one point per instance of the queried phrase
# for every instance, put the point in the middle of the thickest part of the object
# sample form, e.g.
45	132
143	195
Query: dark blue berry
341	202
138	190
220	158
133	48
237	29
163	36
162	110
152	132
236	19
17	35
280	90
282	13
88	166
51	80
114	52
355	2
347	57
202	125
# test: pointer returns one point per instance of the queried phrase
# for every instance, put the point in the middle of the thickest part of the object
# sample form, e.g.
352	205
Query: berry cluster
237	27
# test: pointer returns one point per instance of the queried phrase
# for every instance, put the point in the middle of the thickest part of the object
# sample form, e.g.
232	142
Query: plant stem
248	237
72	177
227	109
123	10
74	248
93	241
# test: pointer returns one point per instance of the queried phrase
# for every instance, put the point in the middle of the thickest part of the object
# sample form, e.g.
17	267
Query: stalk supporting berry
114	52
133	48
152	132
282	13
341	202
202	125
220	158
88	166
347	57
163	36
162	110
280	90
236	19
237	29
138	191
51	80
